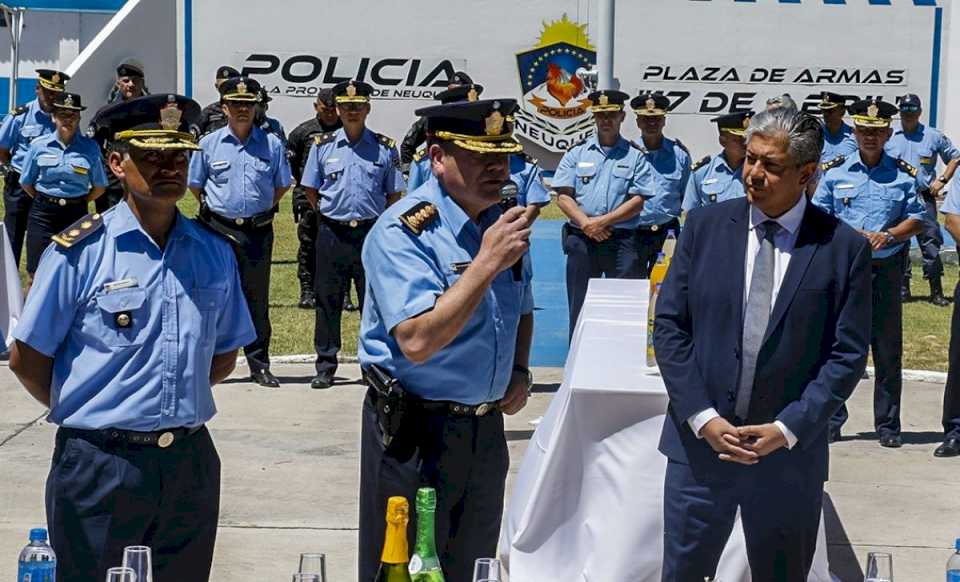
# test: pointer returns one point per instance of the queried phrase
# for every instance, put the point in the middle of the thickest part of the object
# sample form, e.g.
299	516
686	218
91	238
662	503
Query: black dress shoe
949	448
905	294
322	381
307	301
936	293
891	441
265	379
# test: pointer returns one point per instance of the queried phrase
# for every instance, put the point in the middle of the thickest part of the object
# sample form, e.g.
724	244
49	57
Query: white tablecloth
11	293
587	504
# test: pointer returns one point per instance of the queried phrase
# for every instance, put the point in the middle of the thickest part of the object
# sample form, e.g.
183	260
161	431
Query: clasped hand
745	444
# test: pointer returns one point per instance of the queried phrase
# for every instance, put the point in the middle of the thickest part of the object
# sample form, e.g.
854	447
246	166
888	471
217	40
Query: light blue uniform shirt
713	182
671	172
602	182
406	273
240	179
842	143
871	199
184	305
18	131
353	179
921	149
524	172
63	171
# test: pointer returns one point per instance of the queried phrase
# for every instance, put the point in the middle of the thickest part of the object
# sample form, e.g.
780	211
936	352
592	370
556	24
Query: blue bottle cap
39	534
956	544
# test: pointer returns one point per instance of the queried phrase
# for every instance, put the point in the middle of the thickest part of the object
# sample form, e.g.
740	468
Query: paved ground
290	463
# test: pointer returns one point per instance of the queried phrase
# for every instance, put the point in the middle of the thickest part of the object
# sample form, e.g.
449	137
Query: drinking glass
302	577
879	567
486	569
121	575
314	564
138	559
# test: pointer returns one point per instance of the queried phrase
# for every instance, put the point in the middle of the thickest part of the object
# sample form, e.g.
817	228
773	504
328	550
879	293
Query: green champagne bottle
393	560
425	565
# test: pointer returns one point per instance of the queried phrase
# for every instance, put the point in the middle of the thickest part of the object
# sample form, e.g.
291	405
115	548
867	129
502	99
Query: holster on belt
393	404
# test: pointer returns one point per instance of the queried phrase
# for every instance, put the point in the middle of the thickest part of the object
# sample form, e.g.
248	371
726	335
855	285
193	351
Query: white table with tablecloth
11	293
587	504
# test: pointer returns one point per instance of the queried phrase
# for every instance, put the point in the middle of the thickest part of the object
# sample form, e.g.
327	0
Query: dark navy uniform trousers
951	394
464	458
104	494
16	212
48	218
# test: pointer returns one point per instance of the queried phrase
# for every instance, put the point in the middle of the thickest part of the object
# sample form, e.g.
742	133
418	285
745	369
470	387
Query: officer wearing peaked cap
239	176
62	172
25	124
838	139
419	171
417	133
351	176
449	316
877	195
212	117
670	162
720	177
601	184
134	315
922	147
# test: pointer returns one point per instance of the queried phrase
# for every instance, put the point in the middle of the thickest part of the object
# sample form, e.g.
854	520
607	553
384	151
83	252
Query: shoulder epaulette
833	163
418	155
324	138
79	230
700	163
418	217
530	159
387	141
903	165
19	110
639	147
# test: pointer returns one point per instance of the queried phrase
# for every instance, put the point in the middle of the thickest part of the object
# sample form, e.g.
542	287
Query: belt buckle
62	201
239	221
655	227
354	223
165	440
483	409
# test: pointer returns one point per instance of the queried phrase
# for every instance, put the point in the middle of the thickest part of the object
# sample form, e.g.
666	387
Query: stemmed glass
879	567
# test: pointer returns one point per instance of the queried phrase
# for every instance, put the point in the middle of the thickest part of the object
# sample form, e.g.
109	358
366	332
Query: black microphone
508	200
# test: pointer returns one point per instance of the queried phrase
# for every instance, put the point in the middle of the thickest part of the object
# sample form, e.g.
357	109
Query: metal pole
605	32
14	17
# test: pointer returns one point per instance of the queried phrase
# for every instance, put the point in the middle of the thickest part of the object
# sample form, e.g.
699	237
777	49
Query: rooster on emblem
562	85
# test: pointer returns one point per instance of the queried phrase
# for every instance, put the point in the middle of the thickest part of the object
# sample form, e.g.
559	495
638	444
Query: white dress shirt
783	243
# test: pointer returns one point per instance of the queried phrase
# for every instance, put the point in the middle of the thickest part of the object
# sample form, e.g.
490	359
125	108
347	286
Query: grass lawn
926	329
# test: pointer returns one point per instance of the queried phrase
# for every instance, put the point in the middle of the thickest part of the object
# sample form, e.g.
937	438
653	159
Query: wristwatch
943	179
890	238
525	370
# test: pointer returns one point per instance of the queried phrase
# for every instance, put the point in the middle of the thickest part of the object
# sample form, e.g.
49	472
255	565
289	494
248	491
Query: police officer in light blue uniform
267	123
838	139
128	325
877	195
670	162
449	316
601	185
351	175
921	146
242	173
62	172
19	129
720	177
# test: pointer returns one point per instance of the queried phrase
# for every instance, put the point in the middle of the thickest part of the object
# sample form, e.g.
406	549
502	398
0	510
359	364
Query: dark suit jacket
812	356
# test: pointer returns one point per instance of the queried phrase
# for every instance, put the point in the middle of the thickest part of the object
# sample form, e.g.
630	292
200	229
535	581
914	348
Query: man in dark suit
761	333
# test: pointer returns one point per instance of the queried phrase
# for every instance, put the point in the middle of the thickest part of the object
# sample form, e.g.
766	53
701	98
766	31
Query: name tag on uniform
46	160
332	160
926	161
220	165
118	285
709	181
460	267
80	170
844	186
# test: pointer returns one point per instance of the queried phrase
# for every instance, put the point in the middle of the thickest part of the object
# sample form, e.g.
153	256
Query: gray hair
804	132
785	101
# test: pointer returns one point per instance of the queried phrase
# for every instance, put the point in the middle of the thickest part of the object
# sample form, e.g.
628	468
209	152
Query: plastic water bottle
37	563
953	564
669	245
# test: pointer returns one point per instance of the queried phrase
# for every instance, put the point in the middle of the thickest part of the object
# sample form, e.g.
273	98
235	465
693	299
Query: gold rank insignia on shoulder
832	163
387	141
324	138
907	168
418	217
699	164
418	155
79	230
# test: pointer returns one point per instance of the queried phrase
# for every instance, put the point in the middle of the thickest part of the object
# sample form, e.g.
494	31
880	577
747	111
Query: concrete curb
929	376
